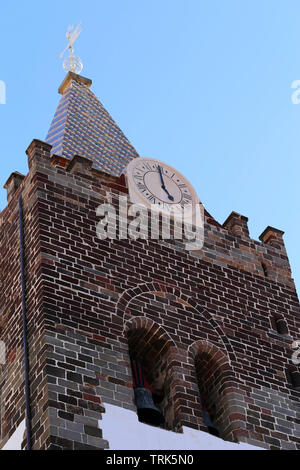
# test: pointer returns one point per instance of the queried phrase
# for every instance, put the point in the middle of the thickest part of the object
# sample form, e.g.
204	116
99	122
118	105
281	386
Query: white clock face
157	183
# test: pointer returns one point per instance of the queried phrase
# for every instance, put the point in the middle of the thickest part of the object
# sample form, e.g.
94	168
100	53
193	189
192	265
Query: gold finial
72	63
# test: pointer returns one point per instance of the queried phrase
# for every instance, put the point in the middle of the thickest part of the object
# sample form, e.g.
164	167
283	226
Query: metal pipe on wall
24	321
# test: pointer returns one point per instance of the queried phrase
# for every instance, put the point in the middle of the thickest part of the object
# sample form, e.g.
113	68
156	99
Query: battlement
226	245
220	322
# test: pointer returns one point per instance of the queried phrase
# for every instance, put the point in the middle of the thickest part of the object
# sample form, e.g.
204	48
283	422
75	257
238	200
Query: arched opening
150	351
280	325
218	390
293	377
265	269
208	379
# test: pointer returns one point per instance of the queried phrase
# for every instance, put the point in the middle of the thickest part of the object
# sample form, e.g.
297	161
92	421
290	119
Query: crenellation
38	152
13	183
212	325
237	224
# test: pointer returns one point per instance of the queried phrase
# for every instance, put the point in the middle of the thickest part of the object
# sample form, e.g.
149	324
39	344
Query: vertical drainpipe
24	321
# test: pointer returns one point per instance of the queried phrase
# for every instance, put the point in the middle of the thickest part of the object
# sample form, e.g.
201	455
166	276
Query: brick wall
205	317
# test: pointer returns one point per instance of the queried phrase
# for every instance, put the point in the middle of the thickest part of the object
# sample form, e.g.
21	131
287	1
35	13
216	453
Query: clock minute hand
161	177
163	184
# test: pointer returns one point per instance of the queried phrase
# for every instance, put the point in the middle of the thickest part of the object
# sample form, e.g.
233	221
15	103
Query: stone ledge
68	80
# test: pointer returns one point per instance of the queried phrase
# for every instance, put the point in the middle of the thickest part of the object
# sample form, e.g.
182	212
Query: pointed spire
82	126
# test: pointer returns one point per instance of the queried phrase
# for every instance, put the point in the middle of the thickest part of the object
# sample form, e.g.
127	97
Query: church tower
123	343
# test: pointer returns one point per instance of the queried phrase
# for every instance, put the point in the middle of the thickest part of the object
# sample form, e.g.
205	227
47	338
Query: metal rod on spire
72	63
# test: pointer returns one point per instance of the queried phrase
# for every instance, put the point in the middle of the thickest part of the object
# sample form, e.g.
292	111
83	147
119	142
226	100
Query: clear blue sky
202	85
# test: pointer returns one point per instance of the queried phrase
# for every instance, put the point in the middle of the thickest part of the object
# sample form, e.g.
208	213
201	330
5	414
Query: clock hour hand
169	195
163	184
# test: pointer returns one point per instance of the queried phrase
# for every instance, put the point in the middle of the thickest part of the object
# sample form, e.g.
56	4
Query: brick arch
129	294
206	347
183	295
156	286
184	386
212	372
137	323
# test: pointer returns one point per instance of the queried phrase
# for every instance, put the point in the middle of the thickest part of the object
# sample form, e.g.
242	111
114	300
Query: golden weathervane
72	63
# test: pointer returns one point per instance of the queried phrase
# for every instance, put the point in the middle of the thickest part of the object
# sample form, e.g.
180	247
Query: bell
147	412
208	421
210	427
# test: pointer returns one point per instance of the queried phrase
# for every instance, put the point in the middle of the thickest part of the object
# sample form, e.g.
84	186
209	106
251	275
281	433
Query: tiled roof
82	126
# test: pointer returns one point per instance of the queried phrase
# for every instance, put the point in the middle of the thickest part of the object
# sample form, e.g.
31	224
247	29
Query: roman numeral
184	202
147	166
151	198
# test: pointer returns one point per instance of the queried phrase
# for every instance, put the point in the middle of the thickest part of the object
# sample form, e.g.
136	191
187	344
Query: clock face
155	182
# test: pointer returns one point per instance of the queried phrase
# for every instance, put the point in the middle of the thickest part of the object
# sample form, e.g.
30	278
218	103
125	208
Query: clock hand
169	195
163	184
161	177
